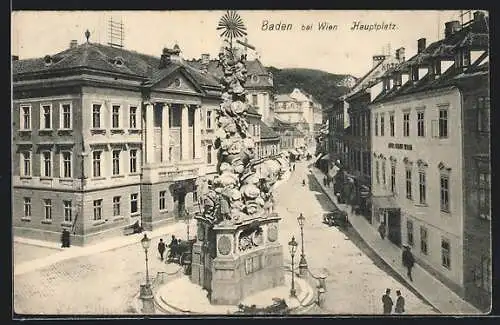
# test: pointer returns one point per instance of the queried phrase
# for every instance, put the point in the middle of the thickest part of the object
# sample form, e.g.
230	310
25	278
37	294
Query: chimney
73	44
15	57
400	54
451	27
205	59
420	45
165	58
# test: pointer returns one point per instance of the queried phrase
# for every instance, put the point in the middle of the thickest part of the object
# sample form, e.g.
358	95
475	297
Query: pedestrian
172	246
387	301
325	181
400	303
408	260
65	238
381	230
161	248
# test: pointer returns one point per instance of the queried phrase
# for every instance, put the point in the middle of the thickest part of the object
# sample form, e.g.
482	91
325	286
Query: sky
342	50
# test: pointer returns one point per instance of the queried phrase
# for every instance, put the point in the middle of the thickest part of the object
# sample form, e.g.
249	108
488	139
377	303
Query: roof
362	79
475	36
252	111
266	132
284	98
101	57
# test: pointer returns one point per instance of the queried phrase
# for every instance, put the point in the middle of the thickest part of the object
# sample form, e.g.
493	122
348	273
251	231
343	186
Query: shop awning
384	202
326	157
294	152
315	159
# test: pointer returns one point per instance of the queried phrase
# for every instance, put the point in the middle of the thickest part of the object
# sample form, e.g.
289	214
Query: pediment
178	81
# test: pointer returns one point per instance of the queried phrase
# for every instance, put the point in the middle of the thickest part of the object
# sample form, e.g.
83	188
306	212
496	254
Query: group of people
388	303
162	247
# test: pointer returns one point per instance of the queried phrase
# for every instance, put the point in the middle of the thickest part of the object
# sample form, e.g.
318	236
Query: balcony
170	172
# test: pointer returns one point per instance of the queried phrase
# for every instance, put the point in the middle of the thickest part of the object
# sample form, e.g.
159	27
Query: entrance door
394	225
181	205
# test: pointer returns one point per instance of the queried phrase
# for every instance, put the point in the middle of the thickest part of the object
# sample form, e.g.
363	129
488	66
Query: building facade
430	169
103	138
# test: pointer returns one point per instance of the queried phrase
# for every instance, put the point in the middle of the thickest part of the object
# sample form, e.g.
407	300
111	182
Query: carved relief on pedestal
272	233
224	245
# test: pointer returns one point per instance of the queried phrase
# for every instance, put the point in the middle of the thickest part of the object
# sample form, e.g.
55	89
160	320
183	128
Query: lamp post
303	262
146	292
292	246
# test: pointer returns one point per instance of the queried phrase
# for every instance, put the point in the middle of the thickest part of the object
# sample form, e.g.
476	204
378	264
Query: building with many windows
431	159
104	137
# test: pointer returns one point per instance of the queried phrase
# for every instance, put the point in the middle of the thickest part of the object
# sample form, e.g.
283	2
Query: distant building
431	174
105	137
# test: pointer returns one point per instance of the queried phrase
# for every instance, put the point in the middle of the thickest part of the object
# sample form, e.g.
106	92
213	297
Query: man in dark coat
381	230
400	303
387	301
65	240
173	247
408	260
161	248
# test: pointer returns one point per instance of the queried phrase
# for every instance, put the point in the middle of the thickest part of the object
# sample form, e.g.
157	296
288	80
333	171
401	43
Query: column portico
184	133
165	133
197	132
149	126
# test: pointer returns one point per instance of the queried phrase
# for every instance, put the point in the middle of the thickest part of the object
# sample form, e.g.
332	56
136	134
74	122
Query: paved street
106	282
357	277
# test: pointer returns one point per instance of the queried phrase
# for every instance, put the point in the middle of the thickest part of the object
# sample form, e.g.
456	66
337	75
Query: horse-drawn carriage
181	253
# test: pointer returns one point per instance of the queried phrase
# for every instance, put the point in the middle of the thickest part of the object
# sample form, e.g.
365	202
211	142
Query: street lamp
146	292
292	245
303	262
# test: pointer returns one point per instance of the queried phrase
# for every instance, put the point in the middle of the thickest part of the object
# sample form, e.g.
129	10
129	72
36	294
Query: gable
178	81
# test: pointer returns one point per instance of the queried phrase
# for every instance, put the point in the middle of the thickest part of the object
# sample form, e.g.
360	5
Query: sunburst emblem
232	24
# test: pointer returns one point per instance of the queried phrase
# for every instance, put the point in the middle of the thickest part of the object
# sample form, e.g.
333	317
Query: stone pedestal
245	259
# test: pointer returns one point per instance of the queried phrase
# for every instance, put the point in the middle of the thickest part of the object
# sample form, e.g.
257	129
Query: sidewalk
107	245
434	291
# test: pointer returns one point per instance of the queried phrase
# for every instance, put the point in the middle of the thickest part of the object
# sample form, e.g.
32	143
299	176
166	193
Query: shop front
386	210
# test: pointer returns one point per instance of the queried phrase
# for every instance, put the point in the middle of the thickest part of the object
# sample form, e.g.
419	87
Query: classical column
184	133
197	132
165	134
149	128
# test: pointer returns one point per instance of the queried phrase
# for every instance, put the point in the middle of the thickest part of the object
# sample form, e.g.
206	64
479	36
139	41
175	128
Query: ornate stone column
165	133
184	133
149	130
197	132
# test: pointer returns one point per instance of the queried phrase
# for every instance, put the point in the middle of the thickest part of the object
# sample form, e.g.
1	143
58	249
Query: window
96	163
116	162
393	178
423	240
65	164
25	117
26	163
170	150
408	184
47	208
134	207
420	124
97	210
209	154
376	124
133	160
445	253
65	116
483	114
115	118
162	200
96	116
377	176
382	126
391	123
409	231
406	124
383	172
68	212
444	193
46	119
133	117
116	206
209	120
46	164
27	207
484	184
254	99
443	123
421	187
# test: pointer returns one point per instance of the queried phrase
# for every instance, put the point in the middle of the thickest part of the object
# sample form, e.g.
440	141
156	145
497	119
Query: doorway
394	226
